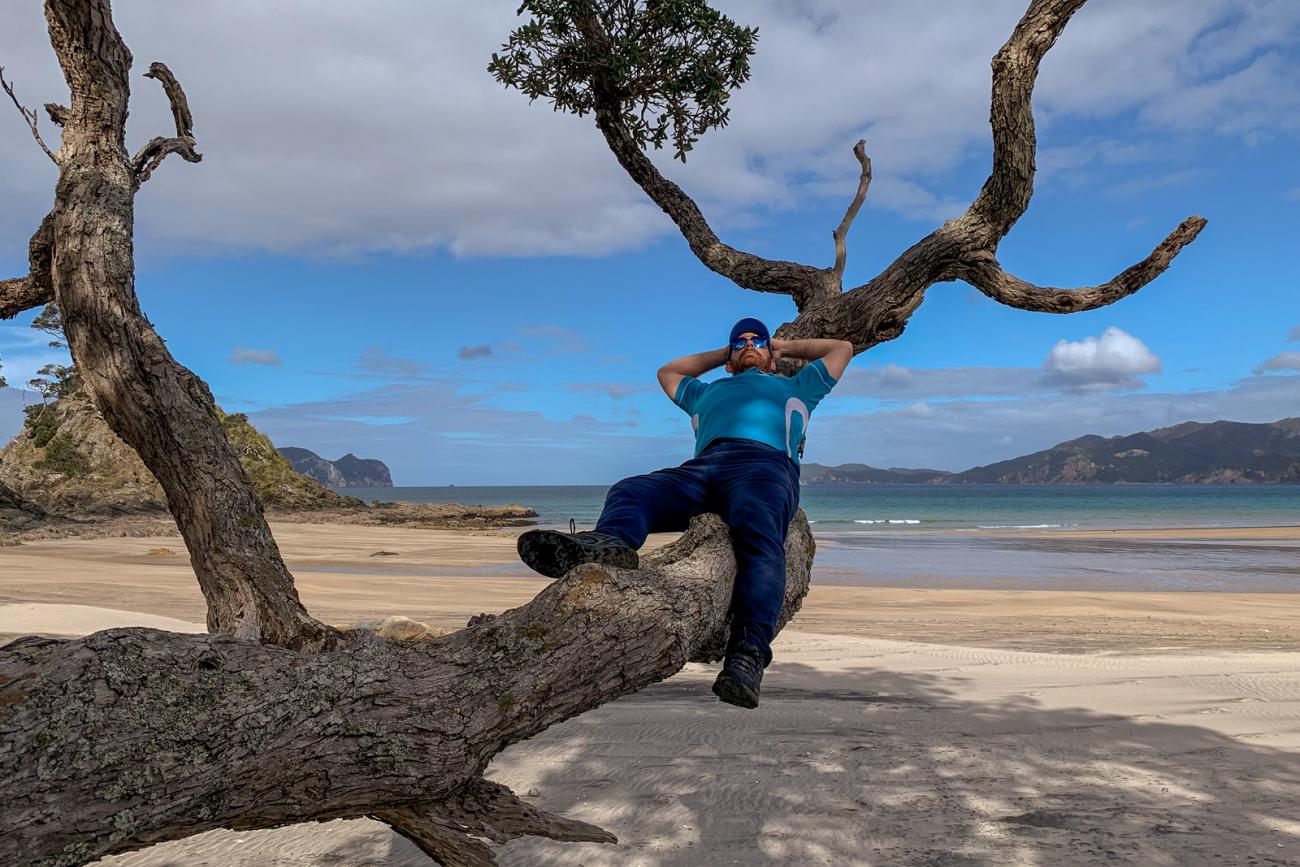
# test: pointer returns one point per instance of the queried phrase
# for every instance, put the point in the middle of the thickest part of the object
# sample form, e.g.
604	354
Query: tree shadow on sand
884	768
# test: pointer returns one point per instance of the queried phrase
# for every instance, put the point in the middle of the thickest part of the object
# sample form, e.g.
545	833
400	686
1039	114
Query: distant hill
348	471
1192	452
1222	451
861	474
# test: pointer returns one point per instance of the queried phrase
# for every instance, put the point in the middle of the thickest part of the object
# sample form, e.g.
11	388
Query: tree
641	66
54	380
133	736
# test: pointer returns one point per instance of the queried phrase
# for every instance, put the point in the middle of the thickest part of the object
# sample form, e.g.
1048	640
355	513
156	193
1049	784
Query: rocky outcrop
68	474
308	463
348	471
422	516
68	463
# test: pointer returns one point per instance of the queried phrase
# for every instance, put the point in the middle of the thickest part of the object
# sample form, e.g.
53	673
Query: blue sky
385	252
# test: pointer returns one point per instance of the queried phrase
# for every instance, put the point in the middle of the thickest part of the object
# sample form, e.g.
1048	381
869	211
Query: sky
385	252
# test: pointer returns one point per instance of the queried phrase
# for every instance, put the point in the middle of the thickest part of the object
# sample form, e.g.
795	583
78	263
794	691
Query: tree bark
134	736
153	403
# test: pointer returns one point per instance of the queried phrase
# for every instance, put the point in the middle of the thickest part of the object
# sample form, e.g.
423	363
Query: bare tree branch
806	284
36	289
21	293
981	270
1006	193
842	231
183	143
29	115
447	830
965	248
57	113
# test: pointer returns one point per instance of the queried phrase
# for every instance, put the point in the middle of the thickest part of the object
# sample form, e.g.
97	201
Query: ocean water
877	508
994	536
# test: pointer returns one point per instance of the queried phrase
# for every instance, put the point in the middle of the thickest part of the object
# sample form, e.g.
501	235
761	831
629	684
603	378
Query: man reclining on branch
749	431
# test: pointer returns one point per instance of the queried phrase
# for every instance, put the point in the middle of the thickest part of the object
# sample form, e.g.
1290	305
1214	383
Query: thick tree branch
842	230
448	830
22	293
152	154
34	290
806	284
981	270
29	115
1006	193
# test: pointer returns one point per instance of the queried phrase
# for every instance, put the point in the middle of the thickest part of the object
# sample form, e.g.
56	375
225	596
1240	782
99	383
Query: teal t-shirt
753	405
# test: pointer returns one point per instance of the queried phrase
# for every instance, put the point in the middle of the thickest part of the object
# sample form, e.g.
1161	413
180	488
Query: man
748	432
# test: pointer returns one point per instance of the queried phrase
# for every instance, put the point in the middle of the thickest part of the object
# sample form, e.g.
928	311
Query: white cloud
466	353
1114	360
1281	361
329	128
1294	334
243	355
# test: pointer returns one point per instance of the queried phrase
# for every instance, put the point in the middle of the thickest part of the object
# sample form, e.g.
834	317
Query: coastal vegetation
133	736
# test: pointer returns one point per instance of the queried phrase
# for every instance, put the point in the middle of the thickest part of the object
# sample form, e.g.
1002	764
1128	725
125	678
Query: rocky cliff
348	471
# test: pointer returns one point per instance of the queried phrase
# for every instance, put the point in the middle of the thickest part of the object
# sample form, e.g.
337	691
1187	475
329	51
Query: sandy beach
899	725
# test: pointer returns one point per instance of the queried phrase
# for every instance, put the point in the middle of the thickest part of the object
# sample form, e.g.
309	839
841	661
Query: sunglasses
739	343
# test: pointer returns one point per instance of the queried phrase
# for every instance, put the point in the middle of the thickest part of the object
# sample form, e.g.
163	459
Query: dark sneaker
741	675
553	553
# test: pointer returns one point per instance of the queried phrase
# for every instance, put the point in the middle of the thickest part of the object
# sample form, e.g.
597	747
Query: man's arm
835	354
672	373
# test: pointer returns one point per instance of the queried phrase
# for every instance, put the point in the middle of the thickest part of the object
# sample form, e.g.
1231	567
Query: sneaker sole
734	692
554	554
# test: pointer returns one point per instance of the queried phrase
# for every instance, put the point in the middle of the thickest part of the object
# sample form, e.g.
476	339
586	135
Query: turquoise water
993	536
874	508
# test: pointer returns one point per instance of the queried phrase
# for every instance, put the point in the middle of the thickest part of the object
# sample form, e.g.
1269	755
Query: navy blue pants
754	488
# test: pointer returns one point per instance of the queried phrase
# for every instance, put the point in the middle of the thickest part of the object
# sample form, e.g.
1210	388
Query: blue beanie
749	323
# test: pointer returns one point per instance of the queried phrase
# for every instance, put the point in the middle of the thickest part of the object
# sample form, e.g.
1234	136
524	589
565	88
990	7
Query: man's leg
635	507
757	494
660	502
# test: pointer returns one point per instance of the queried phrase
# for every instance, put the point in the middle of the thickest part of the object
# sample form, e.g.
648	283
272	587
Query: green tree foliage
670	65
54	381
